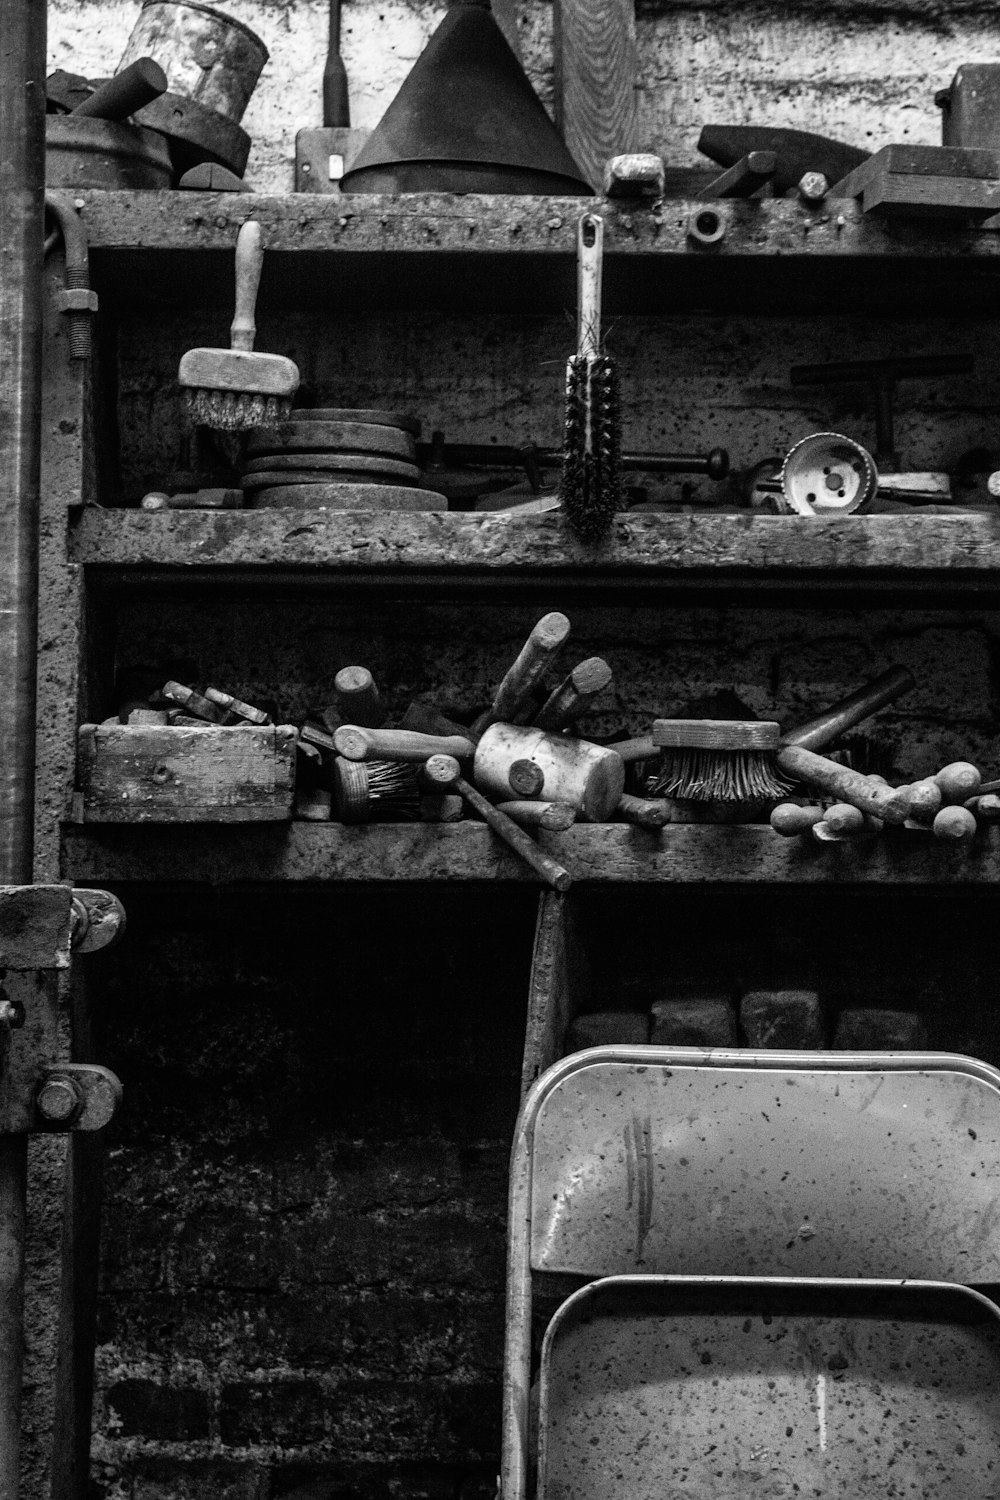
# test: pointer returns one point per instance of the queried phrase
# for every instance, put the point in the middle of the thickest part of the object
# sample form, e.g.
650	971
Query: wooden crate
151	773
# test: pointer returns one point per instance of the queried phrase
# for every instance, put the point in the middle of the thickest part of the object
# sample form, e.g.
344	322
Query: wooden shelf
120	546
309	853
518	253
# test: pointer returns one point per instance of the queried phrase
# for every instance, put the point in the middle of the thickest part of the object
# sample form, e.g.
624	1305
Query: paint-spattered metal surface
769	1164
656	1388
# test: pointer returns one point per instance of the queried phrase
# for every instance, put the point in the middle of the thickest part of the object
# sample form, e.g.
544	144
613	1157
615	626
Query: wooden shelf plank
493	253
829	549
309	853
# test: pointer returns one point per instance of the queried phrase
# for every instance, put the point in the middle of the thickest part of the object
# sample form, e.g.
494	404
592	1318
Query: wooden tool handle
336	103
852	710
646	812
138	84
358	698
959	781
555	816
589	273
574	693
538	652
249	260
439	773
956	825
543	864
867	827
638	749
354	742
871	796
526	778
789	819
925	799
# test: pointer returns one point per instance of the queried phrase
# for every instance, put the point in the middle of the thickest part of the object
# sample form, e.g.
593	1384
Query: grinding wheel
333	437
317	463
346	497
267	480
358	414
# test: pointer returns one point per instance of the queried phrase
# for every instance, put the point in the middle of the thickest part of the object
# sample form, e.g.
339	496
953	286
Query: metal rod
22	153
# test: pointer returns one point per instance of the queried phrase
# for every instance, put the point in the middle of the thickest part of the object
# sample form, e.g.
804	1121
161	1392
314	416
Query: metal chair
672	1163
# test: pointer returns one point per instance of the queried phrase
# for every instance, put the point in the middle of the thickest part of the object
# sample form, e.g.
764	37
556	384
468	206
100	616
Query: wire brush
590	489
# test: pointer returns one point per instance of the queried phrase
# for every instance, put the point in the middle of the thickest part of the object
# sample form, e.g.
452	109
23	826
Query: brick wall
303	1255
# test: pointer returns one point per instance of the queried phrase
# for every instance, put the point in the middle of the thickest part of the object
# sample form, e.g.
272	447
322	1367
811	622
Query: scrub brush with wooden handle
590	490
235	389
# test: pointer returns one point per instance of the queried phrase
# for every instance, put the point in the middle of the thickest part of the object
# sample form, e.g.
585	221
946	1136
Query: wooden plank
965	162
595	76
599	854
188	543
148	773
35	926
897	196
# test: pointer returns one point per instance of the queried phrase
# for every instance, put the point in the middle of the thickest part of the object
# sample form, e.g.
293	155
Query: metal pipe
22	189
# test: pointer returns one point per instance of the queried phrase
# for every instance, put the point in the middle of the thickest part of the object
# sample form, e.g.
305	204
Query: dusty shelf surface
310	853
494	252
172	543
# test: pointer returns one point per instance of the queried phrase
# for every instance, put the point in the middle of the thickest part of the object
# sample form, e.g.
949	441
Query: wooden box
151	773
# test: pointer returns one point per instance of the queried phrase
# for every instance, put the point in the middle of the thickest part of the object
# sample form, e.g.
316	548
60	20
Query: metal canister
85	153
207	55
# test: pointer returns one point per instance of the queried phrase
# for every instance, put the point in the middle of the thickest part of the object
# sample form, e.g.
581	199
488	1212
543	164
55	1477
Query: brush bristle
236	411
718	776
590	490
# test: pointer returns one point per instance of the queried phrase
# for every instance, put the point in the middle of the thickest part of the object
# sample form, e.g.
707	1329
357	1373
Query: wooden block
623	1028
35	926
782	1018
879	1031
696	1022
210	774
931	197
595	75
919	161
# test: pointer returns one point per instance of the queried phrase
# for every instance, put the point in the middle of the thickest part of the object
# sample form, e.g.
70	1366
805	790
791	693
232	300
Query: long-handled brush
235	389
590	490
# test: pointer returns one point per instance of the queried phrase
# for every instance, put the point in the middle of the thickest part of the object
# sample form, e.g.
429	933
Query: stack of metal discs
337	458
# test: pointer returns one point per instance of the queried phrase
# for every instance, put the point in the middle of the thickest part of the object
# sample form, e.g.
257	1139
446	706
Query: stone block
879	1031
782	1018
692	1022
289	1413
163	1413
605	1028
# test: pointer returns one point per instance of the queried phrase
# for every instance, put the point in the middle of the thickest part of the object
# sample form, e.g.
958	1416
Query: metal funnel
466	120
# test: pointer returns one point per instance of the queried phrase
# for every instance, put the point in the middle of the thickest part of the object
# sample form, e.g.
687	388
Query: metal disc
270	480
346	497
358	414
828	474
332	437
317	463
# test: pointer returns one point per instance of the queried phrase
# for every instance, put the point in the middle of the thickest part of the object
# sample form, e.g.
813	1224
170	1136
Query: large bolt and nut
59	1100
813	187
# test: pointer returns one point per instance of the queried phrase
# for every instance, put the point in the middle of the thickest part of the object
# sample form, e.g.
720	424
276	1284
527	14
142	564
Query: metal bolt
79	322
813	187
59	1100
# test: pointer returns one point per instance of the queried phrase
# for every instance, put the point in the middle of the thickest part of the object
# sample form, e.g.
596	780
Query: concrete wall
303	1250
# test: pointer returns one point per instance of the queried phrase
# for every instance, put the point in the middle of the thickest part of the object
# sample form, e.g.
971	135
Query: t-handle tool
881	375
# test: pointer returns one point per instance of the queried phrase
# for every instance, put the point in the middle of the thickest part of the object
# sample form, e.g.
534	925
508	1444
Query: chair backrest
680	1161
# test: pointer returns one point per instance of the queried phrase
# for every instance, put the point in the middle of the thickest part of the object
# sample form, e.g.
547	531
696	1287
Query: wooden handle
959	781
358	698
538	652
871	796
543	864
925	799
589	273
826	727
866	828
646	812
956	825
789	819
844	818
574	694
986	808
554	816
354	742
138	84
526	778
249	260
439	773
638	749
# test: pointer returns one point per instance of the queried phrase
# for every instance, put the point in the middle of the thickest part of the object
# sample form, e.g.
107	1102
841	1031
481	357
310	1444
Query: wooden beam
595	73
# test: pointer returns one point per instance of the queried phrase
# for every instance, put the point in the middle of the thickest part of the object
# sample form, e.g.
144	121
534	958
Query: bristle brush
236	389
590	490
